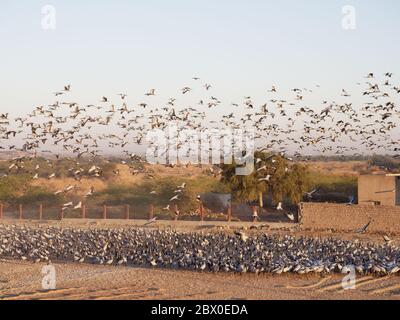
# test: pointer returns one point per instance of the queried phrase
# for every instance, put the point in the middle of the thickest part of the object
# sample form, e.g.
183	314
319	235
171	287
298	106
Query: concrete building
379	189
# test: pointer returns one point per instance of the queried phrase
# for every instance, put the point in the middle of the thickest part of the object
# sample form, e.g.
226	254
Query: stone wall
340	217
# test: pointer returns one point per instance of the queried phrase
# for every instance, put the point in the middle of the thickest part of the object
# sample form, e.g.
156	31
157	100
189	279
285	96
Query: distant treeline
375	158
385	162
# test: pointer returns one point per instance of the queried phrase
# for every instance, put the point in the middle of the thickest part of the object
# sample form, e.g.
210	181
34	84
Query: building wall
397	179
377	188
340	217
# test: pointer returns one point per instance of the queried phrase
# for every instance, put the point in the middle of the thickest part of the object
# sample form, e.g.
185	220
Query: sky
240	47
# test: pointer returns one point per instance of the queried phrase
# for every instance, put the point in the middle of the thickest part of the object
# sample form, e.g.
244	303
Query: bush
37	195
333	183
385	162
12	186
140	194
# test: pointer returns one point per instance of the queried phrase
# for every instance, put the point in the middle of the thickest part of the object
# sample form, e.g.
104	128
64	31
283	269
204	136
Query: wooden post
40	211
62	213
201	212
105	212
83	211
1	211
151	212
230	212
127	212
176	212
255	213
20	212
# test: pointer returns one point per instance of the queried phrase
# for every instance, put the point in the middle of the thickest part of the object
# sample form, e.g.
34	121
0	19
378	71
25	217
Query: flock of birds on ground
214	252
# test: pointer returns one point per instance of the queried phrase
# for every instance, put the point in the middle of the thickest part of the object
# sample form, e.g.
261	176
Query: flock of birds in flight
68	128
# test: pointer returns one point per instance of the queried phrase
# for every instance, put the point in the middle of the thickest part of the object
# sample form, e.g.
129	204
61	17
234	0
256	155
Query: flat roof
382	174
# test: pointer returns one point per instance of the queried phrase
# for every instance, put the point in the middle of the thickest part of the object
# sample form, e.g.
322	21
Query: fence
237	212
105	212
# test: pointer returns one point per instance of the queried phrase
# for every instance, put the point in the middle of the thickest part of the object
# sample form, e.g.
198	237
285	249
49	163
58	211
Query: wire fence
121	212
135	212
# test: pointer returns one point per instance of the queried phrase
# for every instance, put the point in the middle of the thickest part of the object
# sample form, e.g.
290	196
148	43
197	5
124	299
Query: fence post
83	211
151	212
176	212
40	211
20	212
1	211
105	212
201	212
127	212
255	213
230	212
62	214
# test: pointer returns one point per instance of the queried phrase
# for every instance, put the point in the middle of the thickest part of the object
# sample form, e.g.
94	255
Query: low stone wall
340	217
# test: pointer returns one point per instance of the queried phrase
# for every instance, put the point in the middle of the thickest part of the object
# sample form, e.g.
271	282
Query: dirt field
21	280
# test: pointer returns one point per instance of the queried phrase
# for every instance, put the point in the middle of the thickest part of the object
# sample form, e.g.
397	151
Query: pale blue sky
241	47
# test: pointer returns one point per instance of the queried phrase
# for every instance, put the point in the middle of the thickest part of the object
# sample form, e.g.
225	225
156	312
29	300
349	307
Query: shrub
12	186
37	195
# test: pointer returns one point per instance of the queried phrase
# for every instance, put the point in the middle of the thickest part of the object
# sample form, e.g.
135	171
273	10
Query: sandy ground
23	280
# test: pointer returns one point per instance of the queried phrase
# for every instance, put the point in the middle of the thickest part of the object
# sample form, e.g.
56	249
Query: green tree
272	174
